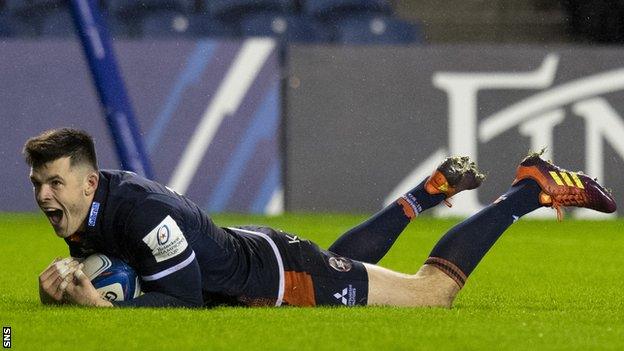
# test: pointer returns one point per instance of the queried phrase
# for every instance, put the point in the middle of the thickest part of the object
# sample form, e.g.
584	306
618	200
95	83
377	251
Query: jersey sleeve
162	256
181	289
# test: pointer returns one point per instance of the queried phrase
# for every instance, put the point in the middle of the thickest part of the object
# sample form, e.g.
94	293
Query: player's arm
179	289
169	271
163	258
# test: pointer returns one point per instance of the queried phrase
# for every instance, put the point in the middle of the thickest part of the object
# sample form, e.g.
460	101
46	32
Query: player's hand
79	290
50	291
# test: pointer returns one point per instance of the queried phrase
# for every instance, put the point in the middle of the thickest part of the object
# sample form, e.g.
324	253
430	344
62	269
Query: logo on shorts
347	295
340	264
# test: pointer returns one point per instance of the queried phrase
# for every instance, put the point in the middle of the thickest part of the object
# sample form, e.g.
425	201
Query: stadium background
351	103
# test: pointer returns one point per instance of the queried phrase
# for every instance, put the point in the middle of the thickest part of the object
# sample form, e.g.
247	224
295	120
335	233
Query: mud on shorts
316	277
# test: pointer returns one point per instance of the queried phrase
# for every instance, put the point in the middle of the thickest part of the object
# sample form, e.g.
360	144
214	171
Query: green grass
545	285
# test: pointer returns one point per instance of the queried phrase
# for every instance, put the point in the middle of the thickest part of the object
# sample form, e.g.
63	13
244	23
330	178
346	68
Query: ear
91	183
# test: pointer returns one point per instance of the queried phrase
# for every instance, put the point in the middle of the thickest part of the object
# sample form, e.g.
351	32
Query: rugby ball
114	279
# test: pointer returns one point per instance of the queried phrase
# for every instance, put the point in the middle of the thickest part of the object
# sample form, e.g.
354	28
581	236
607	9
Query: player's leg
430	287
537	183
454	256
452	260
371	240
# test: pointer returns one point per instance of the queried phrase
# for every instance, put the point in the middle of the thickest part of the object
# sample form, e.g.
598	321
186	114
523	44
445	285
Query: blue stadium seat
33	7
330	9
201	25
287	28
177	24
6	28
232	9
116	27
58	23
164	24
15	5
47	3
12	27
377	30
134	7
119	7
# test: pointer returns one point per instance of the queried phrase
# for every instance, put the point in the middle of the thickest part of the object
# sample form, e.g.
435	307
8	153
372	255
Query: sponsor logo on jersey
340	264
292	239
95	208
347	295
166	240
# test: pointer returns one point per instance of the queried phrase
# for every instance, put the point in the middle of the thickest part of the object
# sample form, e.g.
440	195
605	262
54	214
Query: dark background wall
362	121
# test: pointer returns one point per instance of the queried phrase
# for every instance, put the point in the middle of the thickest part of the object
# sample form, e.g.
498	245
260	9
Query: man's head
64	173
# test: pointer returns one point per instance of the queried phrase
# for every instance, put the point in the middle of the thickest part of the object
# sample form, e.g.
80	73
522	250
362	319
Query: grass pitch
545	285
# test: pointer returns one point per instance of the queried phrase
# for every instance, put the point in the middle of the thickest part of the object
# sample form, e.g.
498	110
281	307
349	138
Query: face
64	193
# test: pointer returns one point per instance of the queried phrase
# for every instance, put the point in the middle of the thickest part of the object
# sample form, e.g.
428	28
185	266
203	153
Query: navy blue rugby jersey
182	257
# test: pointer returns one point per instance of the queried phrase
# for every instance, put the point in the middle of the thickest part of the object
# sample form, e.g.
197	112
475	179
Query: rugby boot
561	188
455	174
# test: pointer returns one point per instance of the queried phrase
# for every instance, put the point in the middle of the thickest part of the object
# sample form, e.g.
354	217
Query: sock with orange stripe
371	240
460	250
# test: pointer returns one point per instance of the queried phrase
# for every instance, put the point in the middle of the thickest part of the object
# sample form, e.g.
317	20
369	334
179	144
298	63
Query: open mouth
54	215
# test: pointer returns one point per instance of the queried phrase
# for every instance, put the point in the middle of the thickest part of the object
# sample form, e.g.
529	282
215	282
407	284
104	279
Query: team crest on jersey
166	240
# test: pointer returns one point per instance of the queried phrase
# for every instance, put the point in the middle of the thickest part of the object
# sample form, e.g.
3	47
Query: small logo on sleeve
95	208
166	240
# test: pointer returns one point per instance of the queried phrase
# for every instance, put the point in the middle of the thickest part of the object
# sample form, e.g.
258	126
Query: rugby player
185	260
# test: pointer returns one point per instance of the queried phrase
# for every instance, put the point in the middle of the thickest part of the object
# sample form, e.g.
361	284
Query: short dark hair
56	143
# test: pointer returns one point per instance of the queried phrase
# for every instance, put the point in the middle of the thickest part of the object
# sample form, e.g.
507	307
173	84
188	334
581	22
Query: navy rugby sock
371	240
462	248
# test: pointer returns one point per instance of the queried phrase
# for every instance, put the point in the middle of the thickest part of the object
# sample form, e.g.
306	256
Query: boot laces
558	202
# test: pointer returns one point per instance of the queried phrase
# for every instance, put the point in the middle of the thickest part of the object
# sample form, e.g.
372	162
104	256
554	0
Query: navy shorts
316	277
